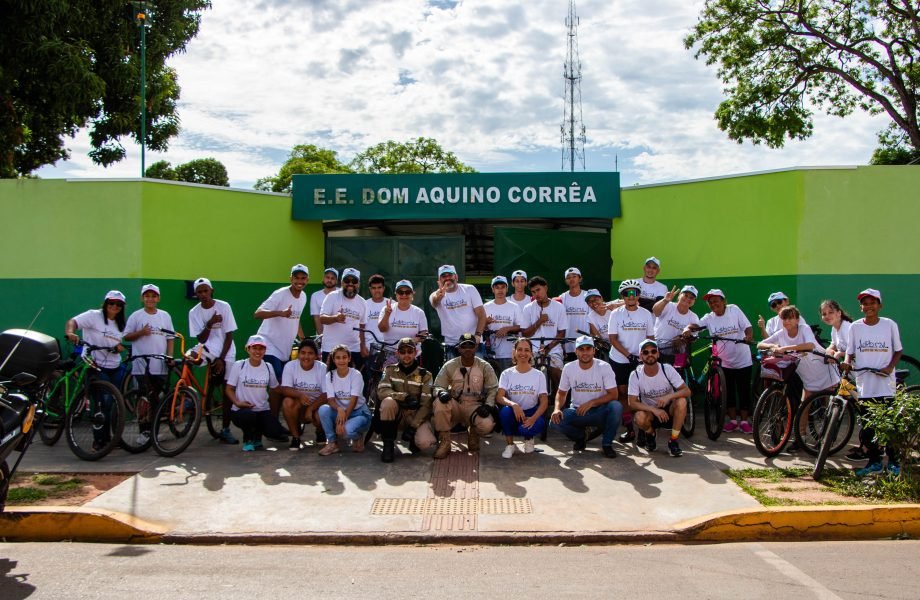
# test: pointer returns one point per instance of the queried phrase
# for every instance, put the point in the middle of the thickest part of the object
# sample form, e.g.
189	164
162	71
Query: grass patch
26	495
740	477
881	489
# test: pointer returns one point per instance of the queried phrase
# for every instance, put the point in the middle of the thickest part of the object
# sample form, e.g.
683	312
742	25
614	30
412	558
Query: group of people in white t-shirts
646	330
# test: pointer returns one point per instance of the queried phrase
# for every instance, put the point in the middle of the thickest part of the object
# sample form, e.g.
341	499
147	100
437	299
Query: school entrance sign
456	196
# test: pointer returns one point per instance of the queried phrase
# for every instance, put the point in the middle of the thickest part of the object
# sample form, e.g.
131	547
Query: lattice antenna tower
573	127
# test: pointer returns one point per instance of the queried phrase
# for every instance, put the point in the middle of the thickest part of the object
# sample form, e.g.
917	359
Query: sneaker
894	469
329	448
258	445
856	453
650	442
508	452
628	435
143	438
730	426
295	444
226	437
674	448
358	444
248	447
746	427
528	446
640	439
280	437
320	438
609	452
579	445
870	469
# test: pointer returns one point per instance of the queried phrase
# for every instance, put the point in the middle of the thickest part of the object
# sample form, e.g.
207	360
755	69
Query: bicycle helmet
629	284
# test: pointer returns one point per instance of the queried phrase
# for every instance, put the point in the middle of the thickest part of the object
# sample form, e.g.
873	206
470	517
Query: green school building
813	233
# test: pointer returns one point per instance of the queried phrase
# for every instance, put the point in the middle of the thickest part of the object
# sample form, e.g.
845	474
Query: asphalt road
882	569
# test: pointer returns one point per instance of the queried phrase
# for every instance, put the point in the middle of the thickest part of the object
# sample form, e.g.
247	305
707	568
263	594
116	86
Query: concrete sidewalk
214	492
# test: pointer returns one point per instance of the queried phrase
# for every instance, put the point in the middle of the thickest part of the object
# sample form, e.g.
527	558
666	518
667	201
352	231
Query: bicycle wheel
214	411
912	366
52	425
550	404
372	401
714	401
830	434
808	426
95	420
175	422
689	425
773	418
139	407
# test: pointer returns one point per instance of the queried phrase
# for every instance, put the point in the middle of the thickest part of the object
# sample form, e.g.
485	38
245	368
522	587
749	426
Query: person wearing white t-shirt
330	284
280	316
522	394
671	318
658	398
839	322
727	321
376	285
545	321
212	323
403	319
594	399
459	308
576	309
627	326
303	389
345	415
249	386
519	285
103	328
874	342
815	373
777	301
650	289
503	318
344	315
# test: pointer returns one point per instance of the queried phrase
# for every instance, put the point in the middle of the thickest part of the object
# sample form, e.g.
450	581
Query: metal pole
141	20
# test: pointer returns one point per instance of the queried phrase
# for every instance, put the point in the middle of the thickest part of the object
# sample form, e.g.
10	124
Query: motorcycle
29	360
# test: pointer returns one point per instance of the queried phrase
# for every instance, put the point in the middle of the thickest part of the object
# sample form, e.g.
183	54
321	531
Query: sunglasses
114	303
649	352
775	303
403	292
406	351
350	280
630	293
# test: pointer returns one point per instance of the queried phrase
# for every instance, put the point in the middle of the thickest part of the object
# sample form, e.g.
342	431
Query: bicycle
907	367
683	364
76	403
381	354
177	418
141	400
543	363
712	381
775	410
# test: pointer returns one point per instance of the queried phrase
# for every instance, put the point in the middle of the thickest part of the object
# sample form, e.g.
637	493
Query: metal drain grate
451	506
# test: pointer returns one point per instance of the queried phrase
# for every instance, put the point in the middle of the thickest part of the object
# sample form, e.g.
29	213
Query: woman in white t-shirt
346	415
815	373
249	385
523	397
839	321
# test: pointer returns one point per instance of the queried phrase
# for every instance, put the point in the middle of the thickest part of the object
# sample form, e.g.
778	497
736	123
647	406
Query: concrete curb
46	524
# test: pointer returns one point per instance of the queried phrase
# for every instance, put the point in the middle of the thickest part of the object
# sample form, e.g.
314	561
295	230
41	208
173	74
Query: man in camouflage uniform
465	390
405	399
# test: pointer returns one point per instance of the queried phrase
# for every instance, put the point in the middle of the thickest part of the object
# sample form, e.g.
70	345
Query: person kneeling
522	395
302	385
249	384
465	388
345	415
658	396
405	393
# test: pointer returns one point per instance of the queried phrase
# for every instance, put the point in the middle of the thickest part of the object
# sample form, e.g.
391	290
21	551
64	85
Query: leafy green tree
779	59
161	169
67	65
203	170
304	159
422	155
894	149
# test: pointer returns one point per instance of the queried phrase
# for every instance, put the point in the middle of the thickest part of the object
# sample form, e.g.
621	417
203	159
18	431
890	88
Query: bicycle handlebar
374	335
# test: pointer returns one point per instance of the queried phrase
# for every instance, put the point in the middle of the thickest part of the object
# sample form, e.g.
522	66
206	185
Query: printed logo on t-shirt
630	325
250	381
521	389
586	387
725	330
872	346
401	323
454	304
501	320
579	311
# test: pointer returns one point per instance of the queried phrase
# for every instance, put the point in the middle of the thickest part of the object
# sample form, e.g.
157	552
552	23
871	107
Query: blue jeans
357	424
606	417
512	427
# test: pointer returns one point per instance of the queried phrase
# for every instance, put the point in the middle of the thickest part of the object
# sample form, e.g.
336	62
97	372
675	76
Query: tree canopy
305	159
67	65
422	155
202	170
779	59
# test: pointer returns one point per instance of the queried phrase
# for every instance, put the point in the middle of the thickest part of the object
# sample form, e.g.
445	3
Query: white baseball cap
519	273
150	288
652	259
351	272
443	269
256	340
115	295
499	279
584	340
691	289
332	270
202	281
572	271
714	292
591	293
869	292
299	268
404	283
776	296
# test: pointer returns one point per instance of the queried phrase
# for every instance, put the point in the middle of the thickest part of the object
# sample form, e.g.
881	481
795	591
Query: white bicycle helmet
629	284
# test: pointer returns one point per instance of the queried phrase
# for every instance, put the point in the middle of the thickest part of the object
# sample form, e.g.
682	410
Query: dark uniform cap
466	338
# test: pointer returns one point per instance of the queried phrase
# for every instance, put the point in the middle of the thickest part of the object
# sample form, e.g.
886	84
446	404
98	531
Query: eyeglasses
649	352
350	280
403	292
775	303
406	351
630	293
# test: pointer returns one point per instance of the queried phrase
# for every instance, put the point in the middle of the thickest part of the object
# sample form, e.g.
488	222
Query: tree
894	149
781	58
209	171
67	65
303	159
422	155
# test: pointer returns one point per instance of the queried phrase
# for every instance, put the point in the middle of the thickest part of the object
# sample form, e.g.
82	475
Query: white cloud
483	78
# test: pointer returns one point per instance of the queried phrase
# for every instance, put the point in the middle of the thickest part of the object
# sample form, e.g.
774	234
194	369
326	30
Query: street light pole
141	22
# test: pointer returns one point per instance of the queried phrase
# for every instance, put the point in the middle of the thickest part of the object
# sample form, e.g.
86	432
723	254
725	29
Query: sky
483	78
